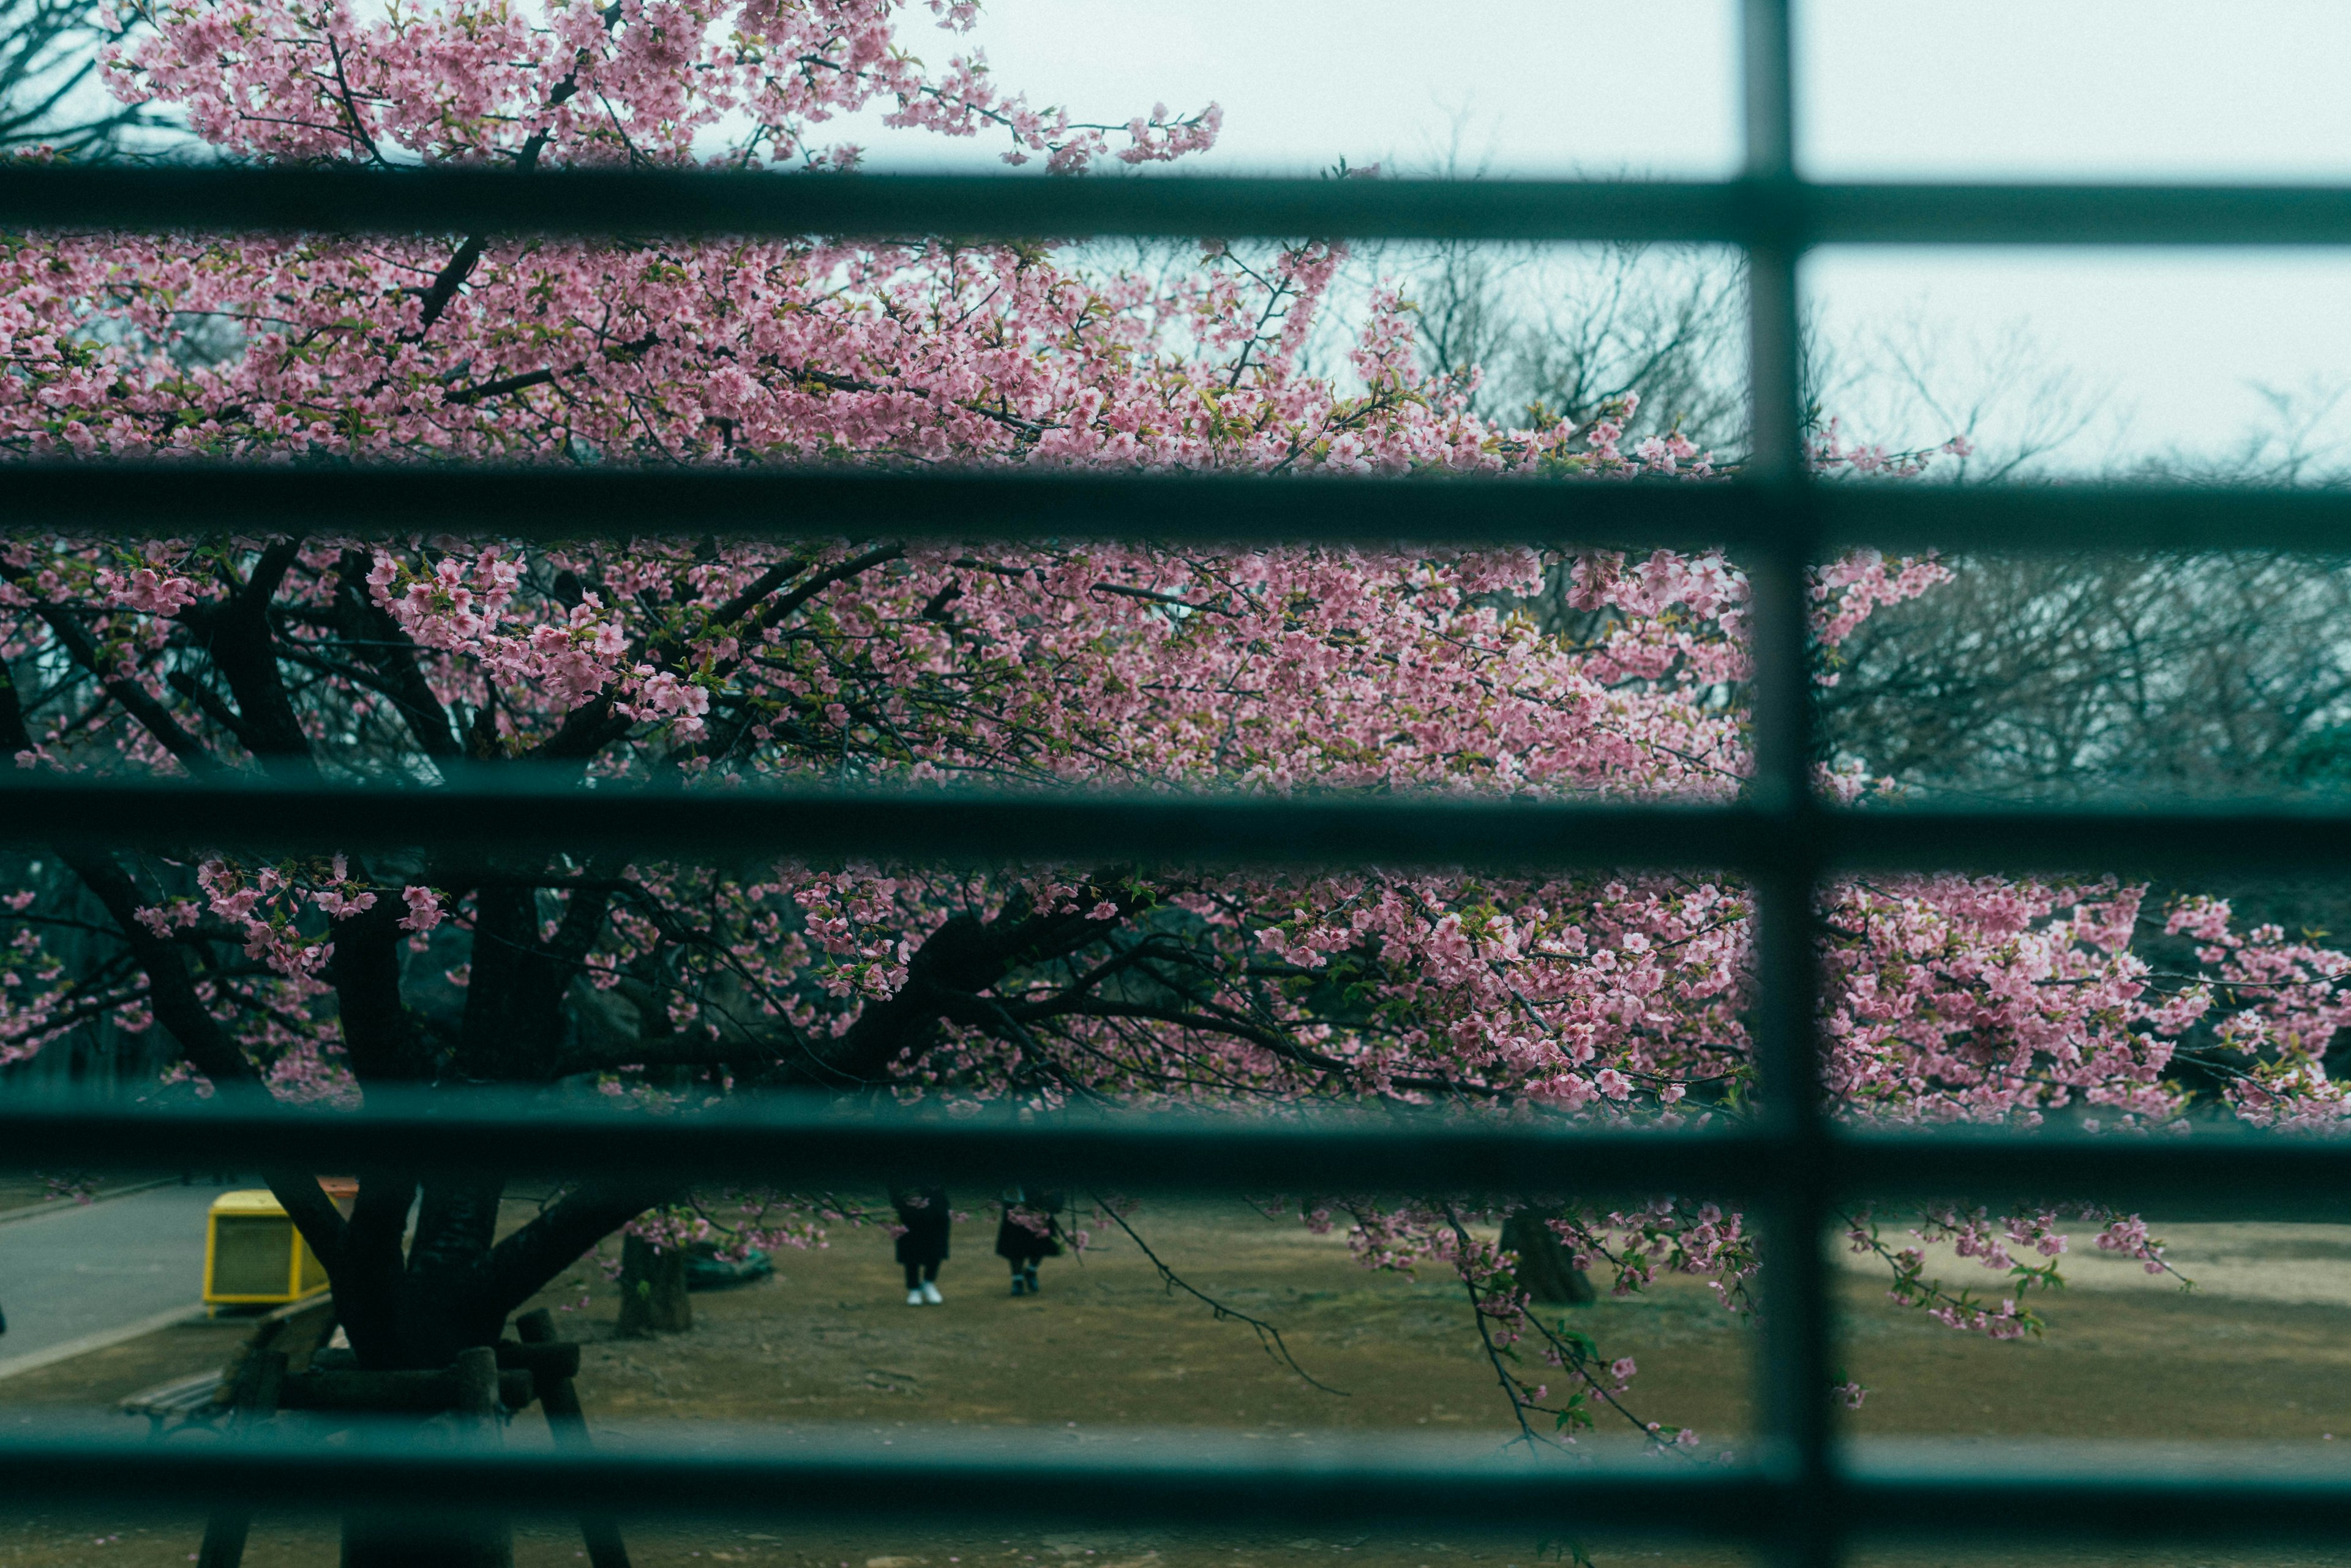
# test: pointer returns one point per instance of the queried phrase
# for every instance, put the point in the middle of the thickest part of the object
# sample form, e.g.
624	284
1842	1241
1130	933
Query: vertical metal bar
1796	1329
1767	81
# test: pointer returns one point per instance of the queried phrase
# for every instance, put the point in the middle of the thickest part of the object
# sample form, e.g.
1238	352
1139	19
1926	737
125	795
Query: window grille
1800	1497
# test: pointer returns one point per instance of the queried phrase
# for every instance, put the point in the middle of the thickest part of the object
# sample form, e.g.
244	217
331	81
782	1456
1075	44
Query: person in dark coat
1031	1229
923	1244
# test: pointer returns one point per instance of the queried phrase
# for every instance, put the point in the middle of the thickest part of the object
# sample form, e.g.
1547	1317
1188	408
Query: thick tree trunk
400	1541
392	1541
1546	1270
653	1290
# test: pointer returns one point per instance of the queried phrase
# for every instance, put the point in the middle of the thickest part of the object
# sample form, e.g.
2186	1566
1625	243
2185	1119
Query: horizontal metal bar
2248	837
849	1478
2040	1490
501	814
587	201
2073	214
2045	519
579	201
568	504
2213	1172
951	828
573	503
816	1144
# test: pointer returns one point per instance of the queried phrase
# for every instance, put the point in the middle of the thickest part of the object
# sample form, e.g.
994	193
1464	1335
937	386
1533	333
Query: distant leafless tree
2298	442
1561	331
2044	676
2082	678
2041	676
50	90
1915	381
1558	333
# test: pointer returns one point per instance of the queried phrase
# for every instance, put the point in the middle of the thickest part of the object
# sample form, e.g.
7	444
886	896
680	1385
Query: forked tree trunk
653	1290
1546	1270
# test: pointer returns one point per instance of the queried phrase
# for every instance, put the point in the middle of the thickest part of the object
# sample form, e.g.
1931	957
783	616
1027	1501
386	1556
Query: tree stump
653	1290
1546	1270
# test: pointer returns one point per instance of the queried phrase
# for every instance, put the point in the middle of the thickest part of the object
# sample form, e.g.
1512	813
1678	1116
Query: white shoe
914	1298
931	1294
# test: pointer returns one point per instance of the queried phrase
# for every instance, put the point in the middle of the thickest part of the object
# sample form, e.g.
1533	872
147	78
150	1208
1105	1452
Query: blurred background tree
49	91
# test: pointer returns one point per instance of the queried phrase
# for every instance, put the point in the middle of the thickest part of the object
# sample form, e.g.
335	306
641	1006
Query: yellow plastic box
254	1256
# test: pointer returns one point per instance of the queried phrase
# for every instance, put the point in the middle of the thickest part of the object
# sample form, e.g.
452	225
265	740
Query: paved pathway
77	1277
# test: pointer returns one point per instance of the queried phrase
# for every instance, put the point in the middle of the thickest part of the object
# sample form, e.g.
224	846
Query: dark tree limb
367	1290
205	1041
378	1033
445	284
521	1265
451	278
585	731
218	711
759	588
947	979
379	639
837	572
239	637
1546	1272
153	717
500	387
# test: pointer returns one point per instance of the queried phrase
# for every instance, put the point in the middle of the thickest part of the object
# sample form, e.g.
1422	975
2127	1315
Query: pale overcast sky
2127	90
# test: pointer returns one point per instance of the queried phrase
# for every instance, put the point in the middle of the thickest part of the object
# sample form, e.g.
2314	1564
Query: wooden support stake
567	1423
258	1381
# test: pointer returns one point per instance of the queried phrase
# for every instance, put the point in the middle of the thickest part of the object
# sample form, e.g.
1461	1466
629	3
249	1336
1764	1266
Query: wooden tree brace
567	1424
545	1362
401	1393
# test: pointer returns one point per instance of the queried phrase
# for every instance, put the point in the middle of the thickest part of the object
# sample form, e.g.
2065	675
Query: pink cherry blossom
424	911
723	663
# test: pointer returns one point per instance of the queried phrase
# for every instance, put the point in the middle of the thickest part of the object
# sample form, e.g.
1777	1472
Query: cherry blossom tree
712	663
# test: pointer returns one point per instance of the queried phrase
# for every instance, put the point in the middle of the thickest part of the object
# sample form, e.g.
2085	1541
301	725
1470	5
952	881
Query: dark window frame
1801	1497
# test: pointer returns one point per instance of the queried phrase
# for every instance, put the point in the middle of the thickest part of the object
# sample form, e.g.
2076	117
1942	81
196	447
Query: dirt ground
2261	1352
